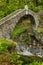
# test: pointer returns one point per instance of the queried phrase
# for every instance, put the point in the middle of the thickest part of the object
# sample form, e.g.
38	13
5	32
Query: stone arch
9	22
32	19
36	19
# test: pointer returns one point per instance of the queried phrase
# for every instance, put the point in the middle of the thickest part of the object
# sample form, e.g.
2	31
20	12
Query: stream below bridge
29	50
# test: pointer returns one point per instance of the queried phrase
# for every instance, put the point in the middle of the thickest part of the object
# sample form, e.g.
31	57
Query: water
29	51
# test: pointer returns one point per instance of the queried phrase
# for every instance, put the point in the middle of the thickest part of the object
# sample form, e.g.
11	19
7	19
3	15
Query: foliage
8	52
7	47
21	27
31	60
17	32
6	44
1	14
12	58
8	6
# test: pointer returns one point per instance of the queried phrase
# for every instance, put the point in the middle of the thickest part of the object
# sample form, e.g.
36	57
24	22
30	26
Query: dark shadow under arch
33	24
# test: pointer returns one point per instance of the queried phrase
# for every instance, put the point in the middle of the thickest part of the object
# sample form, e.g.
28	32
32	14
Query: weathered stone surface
8	23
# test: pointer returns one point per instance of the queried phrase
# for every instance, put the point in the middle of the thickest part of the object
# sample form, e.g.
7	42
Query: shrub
6	45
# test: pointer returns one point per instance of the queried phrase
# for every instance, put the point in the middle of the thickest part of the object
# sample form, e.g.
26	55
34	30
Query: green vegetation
9	56
8	52
21	27
32	60
17	32
8	6
5	44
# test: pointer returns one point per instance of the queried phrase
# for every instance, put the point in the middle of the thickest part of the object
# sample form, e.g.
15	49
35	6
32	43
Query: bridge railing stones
3	20
8	23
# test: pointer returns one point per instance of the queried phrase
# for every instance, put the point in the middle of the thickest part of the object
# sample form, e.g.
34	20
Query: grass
6	41
18	31
21	27
31	60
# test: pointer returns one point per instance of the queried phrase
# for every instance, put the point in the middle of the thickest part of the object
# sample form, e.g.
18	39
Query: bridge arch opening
29	17
24	23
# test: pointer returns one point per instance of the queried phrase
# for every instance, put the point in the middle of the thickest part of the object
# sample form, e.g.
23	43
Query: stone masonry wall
8	23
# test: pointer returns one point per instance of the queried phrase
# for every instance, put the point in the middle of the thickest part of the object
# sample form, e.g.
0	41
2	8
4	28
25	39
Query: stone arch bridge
8	23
